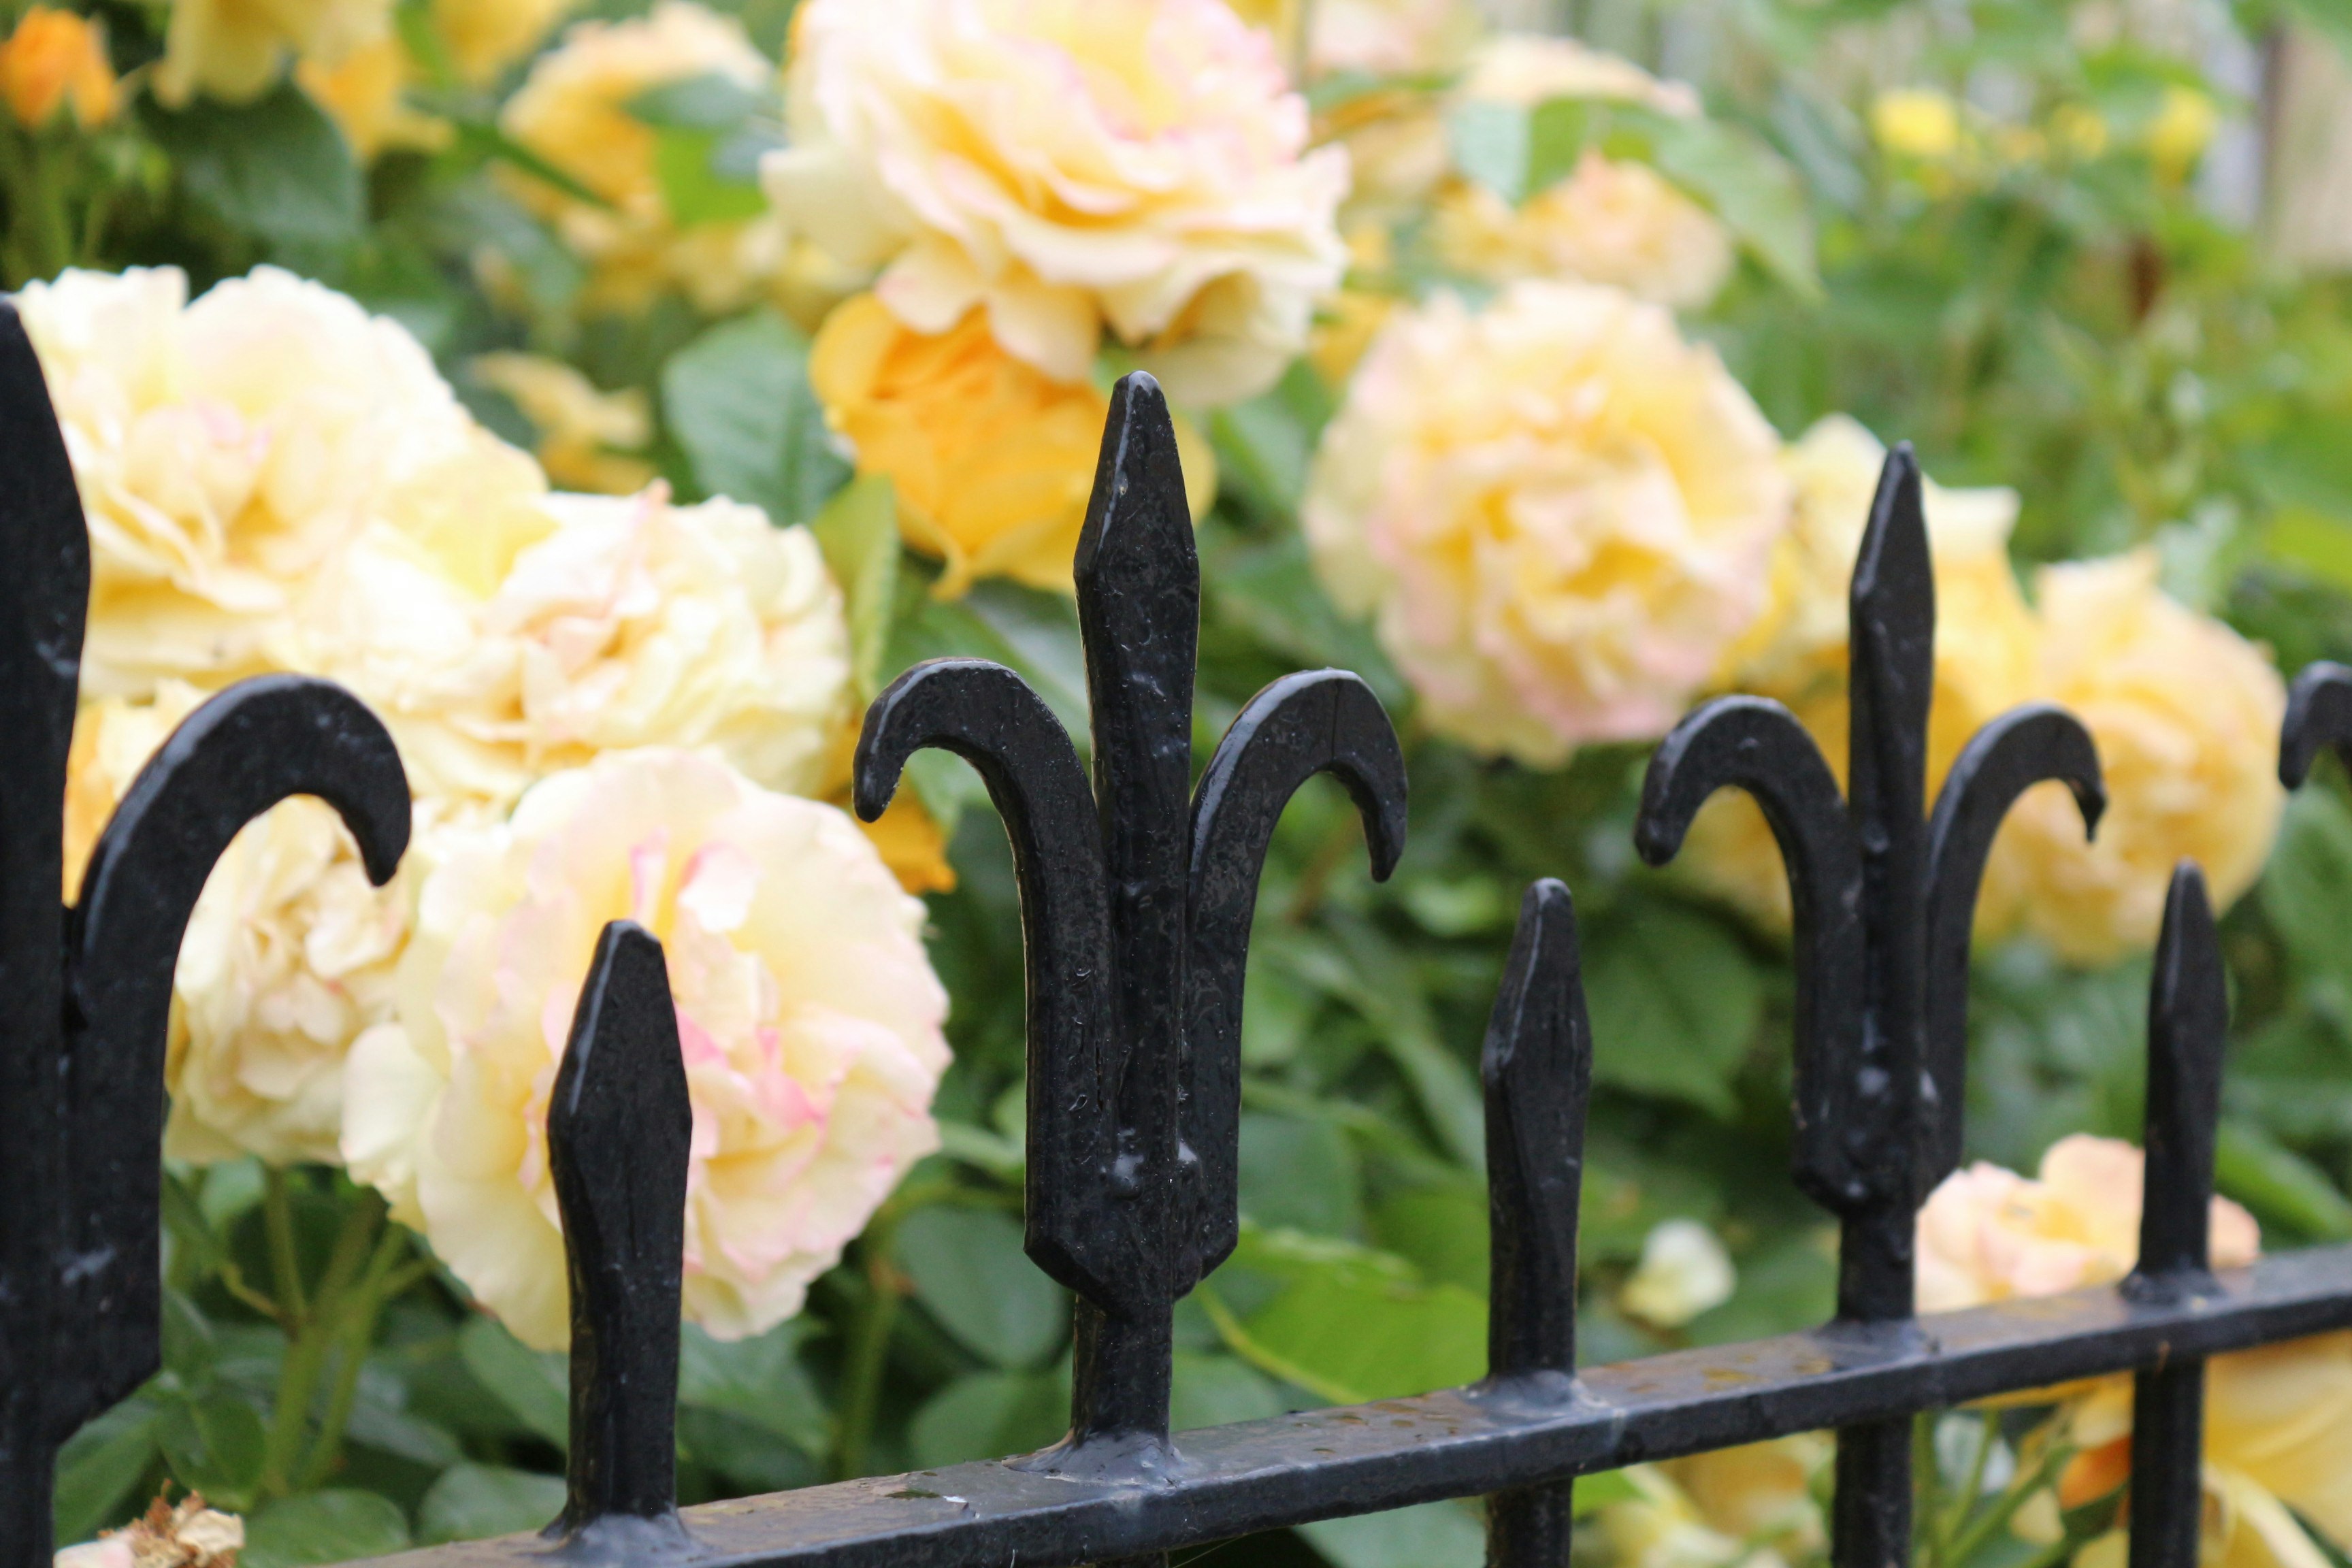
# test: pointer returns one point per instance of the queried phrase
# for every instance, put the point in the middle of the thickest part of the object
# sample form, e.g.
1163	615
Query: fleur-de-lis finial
1137	895
1883	896
84	993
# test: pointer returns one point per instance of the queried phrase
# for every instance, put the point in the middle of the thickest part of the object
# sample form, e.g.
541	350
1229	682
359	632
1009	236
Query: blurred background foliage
2093	263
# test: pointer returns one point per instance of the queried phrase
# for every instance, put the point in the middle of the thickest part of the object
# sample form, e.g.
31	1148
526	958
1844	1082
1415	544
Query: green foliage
738	398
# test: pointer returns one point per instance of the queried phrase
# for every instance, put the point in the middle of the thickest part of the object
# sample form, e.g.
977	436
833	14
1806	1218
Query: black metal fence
1138	889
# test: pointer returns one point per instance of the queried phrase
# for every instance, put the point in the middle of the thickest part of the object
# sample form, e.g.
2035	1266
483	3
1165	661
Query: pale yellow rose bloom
225	451
1751	1506
1390	38
1796	651
236	50
1608	221
992	460
1135	167
1988	1235
1528	68
584	431
502	641
573	111
288	954
1684	1270
807	1011
1558	512
2185	716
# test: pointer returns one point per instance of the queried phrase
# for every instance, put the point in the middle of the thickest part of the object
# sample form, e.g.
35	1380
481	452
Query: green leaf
99	1466
1594	1492
323	1527
858	531
391	1430
2333	17
535	1386
470	1501
276	169
1402	1335
1490	143
695	187
739	400
989	1414
2308	883
1034	632
214	1444
1675	1001
1299	1175
1559	129
1434	1535
758	1380
2320	543
1373	976
1217	1391
2280	1186
1440	1229
707	103
972	1276
1733	174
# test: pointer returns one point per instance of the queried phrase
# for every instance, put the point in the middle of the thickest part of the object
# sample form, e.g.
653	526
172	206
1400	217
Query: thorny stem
1956	1513
339	1317
278	1214
869	1347
379	1284
1973	1539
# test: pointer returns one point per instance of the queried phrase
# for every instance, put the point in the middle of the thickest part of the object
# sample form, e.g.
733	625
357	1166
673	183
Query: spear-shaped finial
618	1129
1136	901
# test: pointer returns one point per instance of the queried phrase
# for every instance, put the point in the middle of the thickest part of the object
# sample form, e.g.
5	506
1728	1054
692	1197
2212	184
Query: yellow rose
583	431
808	1012
236	50
1683	1271
573	111
1990	1235
1796	651
366	95
288	957
1609	222
503	641
1916	123
992	460
1557	511
225	451
2183	128
1750	1507
53	59
1139	165
2186	715
2278	1420
483	38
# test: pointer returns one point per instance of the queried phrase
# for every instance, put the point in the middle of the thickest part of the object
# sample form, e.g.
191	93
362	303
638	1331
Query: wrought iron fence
1136	893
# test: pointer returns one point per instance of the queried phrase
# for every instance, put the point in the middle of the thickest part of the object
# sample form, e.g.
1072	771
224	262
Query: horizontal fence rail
1137	888
1321	1464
